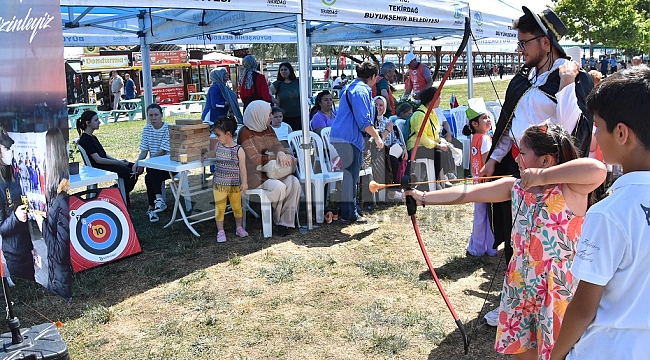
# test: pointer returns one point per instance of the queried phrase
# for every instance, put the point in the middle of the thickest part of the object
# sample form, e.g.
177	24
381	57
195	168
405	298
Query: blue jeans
351	159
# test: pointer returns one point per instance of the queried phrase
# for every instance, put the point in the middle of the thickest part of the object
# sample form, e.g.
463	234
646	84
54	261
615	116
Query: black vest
518	87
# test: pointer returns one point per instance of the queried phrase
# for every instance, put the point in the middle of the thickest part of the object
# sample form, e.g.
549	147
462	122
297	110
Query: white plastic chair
265	205
428	164
318	180
120	181
460	119
325	134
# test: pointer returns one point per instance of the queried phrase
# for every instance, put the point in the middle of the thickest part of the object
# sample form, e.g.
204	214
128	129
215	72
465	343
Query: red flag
453	102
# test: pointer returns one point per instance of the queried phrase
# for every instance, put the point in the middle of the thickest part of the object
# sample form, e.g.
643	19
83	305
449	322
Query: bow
411	205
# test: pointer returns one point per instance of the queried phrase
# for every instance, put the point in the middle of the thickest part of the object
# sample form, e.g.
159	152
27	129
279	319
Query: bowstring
514	140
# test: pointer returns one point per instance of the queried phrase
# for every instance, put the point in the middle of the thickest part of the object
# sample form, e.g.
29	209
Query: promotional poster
32	101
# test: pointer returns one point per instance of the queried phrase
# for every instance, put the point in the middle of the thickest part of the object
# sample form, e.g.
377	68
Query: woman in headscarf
391	137
261	145
253	84
220	99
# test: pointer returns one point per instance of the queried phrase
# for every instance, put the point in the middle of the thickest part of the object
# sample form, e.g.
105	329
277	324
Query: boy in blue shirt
608	315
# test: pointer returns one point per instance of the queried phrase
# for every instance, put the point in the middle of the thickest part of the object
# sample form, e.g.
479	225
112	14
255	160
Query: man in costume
549	86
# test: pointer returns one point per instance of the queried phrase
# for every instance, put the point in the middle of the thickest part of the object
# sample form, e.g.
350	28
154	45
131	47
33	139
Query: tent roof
110	22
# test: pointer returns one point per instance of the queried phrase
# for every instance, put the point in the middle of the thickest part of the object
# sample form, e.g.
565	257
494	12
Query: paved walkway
463	81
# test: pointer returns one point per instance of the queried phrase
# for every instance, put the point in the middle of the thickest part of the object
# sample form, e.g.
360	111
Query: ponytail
82	121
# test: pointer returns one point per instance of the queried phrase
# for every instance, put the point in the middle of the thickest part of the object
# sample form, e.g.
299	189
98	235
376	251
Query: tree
613	23
274	51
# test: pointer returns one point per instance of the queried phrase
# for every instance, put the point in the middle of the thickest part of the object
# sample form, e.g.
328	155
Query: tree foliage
288	52
614	23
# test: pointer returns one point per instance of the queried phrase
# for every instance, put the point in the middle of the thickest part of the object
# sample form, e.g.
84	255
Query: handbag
274	170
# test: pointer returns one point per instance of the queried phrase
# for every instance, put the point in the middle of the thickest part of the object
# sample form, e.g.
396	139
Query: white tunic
535	107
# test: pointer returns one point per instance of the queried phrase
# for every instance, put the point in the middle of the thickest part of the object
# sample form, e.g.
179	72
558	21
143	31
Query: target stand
101	230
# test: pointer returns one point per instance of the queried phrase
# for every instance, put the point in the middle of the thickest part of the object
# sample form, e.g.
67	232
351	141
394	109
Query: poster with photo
32	102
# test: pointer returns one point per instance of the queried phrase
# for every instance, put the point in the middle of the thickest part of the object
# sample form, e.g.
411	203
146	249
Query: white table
180	187
90	177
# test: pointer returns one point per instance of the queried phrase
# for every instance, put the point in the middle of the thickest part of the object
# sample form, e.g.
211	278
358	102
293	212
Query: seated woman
429	147
390	135
324	112
154	142
87	123
262	145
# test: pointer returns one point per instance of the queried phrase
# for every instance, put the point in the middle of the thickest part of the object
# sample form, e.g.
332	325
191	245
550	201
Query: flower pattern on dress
538	284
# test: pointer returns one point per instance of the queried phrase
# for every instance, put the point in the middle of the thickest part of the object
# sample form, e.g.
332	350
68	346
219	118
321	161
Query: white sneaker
492	318
159	205
396	196
153	217
451	176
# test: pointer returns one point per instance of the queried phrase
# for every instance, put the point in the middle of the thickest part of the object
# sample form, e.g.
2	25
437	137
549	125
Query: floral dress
538	284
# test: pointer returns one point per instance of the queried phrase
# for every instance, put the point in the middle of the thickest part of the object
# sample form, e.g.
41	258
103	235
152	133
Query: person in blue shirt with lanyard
355	116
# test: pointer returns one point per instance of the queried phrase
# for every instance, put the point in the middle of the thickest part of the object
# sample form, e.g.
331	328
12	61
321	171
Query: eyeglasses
521	45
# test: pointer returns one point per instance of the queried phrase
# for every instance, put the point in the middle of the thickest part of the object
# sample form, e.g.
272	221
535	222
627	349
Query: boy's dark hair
367	69
427	95
275	109
527	24
404	107
227	124
550	139
155	106
624	97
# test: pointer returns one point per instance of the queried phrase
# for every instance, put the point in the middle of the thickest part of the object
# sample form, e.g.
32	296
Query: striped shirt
154	140
226	168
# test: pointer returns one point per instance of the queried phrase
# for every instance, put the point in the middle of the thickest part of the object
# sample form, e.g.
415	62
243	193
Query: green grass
355	292
481	89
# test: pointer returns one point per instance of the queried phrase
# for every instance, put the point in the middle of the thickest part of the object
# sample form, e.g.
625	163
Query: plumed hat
551	25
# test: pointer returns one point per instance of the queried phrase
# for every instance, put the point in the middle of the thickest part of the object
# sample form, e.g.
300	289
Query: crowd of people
569	263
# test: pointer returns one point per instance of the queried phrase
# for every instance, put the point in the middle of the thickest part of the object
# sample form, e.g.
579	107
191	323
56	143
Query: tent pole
470	71
304	54
146	62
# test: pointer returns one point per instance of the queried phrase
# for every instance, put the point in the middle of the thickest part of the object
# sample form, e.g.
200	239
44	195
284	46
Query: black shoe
358	220
345	221
282	230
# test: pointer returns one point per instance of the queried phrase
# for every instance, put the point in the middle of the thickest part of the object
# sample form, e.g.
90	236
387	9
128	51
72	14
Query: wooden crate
189	137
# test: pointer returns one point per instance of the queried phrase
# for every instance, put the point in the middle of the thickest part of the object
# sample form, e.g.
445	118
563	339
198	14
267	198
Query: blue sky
536	6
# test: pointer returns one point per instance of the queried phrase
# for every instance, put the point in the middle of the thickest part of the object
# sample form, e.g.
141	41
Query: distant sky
535	6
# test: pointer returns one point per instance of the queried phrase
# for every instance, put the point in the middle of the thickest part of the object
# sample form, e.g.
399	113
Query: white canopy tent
104	37
187	19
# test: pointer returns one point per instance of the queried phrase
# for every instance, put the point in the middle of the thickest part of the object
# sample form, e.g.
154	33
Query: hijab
250	67
216	76
256	115
385	104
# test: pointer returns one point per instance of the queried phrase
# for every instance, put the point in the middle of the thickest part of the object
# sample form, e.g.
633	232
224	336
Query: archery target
100	230
100	234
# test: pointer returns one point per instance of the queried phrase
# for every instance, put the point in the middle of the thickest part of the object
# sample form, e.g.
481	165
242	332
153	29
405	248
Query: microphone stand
42	341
